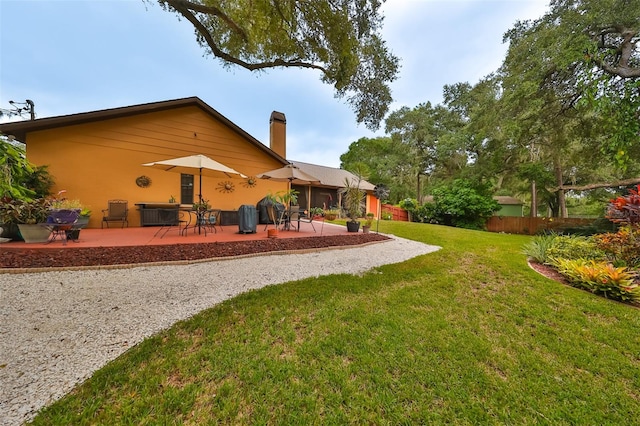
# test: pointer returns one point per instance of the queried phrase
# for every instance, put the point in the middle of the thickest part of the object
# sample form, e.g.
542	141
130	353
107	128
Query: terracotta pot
272	233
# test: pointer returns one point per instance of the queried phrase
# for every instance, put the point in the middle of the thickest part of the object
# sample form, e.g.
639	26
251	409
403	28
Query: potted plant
280	203
366	225
316	213
83	221
353	198
61	205
331	214
27	214
201	205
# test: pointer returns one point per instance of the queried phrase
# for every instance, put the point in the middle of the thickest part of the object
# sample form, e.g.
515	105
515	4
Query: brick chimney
278	133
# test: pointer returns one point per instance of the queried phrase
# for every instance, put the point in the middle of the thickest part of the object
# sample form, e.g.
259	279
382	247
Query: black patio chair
117	211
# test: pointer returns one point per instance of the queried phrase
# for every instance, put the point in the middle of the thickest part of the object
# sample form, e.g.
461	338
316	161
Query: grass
467	335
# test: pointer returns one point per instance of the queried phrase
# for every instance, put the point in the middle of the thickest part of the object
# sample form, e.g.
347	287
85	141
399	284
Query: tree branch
184	8
624	182
208	10
624	52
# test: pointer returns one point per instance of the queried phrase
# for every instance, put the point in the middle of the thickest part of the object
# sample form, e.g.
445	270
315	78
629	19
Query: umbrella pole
198	212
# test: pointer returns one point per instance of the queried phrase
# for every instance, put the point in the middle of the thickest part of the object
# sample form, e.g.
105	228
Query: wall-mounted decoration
143	181
250	182
226	186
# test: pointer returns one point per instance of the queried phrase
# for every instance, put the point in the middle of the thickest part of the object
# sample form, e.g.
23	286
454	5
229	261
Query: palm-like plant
352	194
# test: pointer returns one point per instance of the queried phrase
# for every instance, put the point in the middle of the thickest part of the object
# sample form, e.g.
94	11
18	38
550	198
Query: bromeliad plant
601	278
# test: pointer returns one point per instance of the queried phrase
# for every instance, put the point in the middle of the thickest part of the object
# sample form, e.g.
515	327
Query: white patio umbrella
205	166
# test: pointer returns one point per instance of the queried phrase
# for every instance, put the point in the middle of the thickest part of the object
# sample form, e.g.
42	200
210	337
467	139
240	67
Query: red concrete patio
153	235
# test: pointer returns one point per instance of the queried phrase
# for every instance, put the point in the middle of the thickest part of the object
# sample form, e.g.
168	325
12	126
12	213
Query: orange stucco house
98	156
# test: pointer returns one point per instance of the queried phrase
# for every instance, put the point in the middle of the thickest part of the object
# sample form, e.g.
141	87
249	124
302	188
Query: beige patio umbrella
205	166
291	174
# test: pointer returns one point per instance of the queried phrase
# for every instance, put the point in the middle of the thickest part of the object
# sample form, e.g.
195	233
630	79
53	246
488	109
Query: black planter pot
73	234
10	230
353	226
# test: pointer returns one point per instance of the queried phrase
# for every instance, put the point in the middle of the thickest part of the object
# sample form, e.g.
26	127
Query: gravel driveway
57	328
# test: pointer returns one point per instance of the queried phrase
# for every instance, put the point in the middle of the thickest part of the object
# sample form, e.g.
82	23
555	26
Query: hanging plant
226	186
250	182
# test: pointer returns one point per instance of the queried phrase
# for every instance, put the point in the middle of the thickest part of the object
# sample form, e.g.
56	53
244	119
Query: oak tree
339	38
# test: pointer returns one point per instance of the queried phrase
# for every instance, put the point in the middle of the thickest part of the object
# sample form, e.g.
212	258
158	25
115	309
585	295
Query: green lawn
466	335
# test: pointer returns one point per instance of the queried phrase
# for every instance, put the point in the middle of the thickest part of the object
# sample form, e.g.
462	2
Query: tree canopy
338	38
561	114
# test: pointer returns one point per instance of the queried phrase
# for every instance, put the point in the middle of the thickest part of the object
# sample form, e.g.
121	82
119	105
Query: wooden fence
396	212
532	225
507	224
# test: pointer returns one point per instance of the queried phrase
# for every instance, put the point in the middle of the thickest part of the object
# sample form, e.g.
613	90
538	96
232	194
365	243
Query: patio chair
117	211
276	213
171	218
212	218
296	216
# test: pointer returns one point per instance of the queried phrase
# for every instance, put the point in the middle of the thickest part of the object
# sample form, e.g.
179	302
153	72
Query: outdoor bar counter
154	213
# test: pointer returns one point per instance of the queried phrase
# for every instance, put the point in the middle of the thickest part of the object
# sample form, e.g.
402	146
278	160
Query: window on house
186	189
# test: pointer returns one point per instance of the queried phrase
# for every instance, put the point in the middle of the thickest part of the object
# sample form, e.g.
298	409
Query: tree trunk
534	199
562	204
419	191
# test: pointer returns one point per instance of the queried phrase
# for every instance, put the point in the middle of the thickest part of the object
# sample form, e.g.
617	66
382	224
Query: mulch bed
548	272
24	258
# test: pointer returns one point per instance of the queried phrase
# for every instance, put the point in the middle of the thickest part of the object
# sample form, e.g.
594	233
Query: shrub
602	278
622	247
463	205
425	213
411	206
538	247
625	209
573	247
408	204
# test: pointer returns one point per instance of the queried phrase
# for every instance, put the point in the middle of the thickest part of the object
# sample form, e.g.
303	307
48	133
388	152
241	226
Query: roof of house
506	200
20	129
330	176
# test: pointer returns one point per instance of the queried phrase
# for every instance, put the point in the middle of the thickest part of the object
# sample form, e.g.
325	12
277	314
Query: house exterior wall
99	161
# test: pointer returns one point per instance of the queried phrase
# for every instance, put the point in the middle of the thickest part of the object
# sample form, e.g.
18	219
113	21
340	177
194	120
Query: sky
74	56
